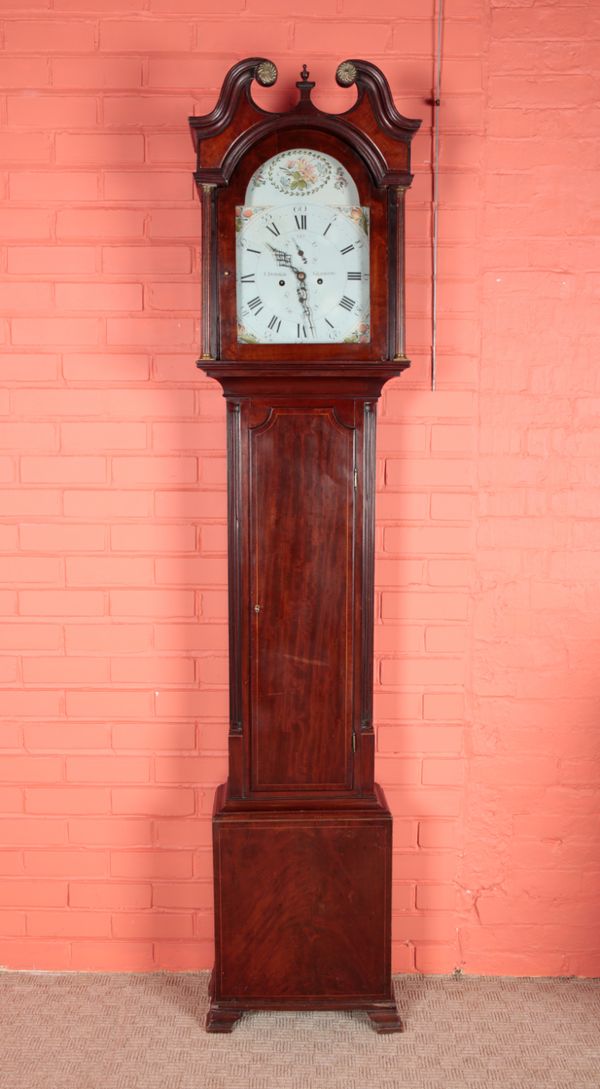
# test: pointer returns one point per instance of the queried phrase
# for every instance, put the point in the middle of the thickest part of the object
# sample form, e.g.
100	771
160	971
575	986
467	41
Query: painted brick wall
112	478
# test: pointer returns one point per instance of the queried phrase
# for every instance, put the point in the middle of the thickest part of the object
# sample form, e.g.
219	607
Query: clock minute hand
300	252
303	298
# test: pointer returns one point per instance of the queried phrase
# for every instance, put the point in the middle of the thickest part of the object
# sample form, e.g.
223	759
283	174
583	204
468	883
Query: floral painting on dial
304	173
360	335
301	172
360	216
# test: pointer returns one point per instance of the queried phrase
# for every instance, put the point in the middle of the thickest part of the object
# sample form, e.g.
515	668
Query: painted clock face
302	256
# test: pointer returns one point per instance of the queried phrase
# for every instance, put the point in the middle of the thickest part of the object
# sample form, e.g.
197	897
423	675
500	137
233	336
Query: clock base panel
302	912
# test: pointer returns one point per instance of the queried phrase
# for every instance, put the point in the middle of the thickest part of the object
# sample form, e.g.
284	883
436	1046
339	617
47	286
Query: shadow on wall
530	876
424	576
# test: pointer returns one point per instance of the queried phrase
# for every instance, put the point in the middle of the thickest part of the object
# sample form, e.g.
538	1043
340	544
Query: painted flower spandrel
358	215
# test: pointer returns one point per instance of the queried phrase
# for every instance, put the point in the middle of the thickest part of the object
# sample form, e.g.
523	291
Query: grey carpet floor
84	1031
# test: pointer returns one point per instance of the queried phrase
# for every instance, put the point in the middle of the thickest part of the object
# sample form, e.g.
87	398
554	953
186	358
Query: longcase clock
302	324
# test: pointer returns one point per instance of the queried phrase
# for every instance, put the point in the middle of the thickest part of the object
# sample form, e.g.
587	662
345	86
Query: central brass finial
304	73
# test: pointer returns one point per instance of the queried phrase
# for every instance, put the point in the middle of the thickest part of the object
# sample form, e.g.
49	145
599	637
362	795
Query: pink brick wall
112	476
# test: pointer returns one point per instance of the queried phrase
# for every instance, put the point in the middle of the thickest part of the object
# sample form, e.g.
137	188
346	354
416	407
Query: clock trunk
302	530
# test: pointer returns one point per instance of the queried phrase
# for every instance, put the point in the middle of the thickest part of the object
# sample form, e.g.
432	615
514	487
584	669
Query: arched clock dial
303	274
302	254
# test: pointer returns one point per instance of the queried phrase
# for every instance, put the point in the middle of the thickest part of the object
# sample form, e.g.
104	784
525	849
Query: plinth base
302	912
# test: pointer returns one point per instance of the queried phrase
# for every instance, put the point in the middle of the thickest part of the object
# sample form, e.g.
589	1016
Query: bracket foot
221	1019
386	1019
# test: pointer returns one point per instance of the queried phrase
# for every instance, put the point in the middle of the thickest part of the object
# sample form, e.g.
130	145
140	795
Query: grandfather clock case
302	324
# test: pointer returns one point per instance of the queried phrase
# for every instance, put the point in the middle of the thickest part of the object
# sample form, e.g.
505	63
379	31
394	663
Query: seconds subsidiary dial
303	274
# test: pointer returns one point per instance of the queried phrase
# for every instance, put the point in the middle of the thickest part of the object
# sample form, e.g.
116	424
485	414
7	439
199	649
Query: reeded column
400	332
208	322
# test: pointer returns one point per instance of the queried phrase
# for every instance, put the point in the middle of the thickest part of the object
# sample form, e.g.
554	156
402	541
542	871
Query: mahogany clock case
301	833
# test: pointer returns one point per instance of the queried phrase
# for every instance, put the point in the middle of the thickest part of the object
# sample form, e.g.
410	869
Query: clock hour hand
281	257
285	261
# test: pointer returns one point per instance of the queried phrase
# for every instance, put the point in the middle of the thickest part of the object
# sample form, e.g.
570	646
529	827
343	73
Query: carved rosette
346	74
266	73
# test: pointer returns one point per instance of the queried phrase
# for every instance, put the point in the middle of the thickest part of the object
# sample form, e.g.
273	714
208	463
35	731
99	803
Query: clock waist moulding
302	324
